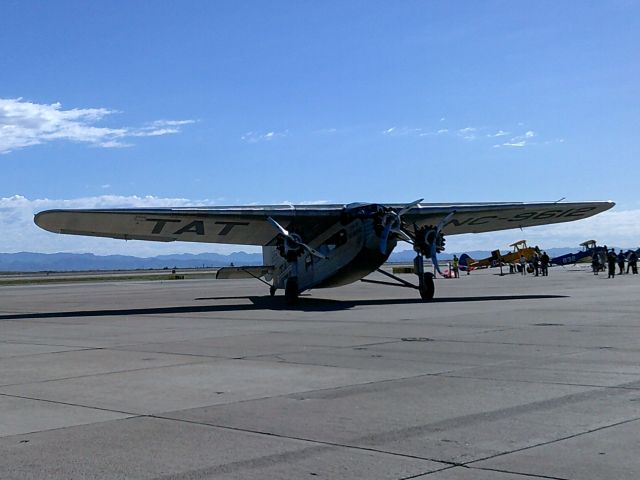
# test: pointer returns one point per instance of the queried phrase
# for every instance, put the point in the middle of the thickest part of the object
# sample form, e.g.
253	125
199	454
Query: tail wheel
291	292
427	287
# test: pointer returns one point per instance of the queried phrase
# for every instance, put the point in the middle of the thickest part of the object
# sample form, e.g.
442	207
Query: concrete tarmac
501	377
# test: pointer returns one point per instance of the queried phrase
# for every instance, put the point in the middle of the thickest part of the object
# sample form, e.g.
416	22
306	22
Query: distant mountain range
60	262
38	262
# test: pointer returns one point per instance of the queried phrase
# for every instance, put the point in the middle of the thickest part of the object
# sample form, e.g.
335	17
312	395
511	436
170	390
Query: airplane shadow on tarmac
305	303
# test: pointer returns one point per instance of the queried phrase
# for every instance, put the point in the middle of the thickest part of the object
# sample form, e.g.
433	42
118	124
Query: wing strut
402	282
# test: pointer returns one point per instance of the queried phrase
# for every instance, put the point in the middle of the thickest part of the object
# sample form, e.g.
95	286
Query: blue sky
138	103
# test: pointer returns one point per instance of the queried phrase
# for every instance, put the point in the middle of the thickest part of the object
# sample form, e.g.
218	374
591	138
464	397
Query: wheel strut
291	291
426	287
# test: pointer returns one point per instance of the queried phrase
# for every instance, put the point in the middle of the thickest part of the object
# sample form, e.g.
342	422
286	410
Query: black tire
291	292
428	288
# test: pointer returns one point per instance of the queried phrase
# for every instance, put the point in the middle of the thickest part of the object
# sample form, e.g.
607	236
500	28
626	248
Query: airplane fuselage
352	252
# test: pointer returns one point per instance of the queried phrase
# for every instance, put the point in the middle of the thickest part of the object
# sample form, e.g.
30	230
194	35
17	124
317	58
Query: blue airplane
589	248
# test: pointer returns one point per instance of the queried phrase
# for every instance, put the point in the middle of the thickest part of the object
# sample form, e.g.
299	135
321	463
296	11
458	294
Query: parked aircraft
307	247
519	248
589	248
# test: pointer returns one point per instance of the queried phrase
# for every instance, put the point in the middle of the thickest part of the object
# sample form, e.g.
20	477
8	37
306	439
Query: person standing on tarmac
633	262
544	261
595	264
536	263
523	265
456	267
611	261
621	260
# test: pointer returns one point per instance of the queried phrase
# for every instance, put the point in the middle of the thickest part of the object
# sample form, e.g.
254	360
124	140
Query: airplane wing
233	225
250	225
490	217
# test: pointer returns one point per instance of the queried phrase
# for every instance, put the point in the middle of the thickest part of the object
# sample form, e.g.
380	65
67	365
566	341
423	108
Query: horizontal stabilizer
226	273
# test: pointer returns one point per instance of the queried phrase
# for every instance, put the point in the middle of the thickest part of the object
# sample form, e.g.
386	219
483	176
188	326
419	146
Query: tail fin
465	261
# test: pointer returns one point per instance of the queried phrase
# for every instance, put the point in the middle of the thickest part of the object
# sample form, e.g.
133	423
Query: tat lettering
197	227
228	226
160	223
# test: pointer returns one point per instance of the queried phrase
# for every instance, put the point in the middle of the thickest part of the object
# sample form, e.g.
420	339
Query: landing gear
291	292
427	288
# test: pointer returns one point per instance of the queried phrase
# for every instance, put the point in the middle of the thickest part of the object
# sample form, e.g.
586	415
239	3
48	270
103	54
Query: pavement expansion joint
101	374
431	472
523	344
474	419
625	386
307	440
131	348
70	404
523	474
44	344
550	442
31	355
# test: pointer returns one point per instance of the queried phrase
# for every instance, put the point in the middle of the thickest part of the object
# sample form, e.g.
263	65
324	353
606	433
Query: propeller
294	239
392	222
434	242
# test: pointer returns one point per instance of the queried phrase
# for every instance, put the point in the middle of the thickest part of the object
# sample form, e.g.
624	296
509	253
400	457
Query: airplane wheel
428	288
291	292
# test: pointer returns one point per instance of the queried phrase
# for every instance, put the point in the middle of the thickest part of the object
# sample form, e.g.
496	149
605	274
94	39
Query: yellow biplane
519	249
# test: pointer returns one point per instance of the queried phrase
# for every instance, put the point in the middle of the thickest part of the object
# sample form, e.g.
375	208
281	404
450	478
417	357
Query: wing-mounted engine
428	239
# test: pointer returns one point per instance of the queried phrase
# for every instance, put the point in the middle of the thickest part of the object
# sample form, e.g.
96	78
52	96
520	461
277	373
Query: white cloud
19	233
325	131
413	131
468	133
512	143
441	131
519	141
401	131
255	137
475	134
311	202
499	133
24	124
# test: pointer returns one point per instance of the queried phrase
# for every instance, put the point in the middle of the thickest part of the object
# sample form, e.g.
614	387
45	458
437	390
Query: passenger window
333	242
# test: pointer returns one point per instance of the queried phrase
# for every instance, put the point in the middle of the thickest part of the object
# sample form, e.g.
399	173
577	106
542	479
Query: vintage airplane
589	249
518	249
307	247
